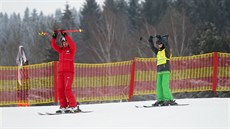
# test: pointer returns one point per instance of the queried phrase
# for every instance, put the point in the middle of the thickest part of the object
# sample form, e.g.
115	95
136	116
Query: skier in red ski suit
65	73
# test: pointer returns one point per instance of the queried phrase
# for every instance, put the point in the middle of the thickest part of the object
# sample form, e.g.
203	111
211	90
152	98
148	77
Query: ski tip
85	111
139	106
39	113
42	33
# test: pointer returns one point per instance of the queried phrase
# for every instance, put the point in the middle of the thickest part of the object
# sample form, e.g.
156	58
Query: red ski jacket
66	55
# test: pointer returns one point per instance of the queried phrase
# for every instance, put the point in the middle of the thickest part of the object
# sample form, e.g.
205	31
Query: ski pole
79	31
66	31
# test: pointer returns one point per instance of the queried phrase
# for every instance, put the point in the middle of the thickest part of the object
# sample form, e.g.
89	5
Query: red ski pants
65	93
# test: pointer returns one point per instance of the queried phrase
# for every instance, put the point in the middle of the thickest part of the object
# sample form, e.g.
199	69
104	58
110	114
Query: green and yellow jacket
163	56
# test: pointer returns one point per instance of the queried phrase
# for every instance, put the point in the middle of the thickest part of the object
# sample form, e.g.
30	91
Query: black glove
158	36
63	33
141	38
54	35
150	38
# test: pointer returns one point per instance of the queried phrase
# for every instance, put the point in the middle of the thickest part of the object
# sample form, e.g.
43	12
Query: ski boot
158	103
169	102
61	110
73	110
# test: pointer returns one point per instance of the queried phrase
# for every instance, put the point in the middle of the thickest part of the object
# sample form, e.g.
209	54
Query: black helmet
158	42
158	39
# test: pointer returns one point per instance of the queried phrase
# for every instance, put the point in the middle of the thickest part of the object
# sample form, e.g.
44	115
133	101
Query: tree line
112	32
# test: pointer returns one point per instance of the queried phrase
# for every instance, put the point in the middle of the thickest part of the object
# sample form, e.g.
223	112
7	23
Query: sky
201	113
46	6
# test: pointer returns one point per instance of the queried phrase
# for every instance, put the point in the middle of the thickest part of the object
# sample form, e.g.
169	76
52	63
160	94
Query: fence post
215	73
132	79
55	82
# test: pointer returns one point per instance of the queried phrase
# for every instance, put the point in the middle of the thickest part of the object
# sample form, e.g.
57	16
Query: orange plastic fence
223	72
114	81
188	74
36	85
102	82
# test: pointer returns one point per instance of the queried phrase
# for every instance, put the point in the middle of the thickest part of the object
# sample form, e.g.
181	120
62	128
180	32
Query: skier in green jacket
163	92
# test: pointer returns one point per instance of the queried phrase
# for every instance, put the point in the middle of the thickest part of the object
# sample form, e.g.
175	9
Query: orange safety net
102	82
188	74
223	77
31	84
37	83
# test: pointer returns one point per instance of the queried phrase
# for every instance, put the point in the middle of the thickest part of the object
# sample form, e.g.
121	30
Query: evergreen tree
212	11
90	20
153	10
207	39
122	7
134	15
34	16
211	18
67	19
13	39
26	15
110	4
90	16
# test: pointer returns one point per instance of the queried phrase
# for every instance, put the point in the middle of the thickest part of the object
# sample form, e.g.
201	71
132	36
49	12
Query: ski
53	113
151	106
66	31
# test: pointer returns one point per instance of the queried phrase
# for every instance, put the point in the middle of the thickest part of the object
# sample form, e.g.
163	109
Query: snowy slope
208	113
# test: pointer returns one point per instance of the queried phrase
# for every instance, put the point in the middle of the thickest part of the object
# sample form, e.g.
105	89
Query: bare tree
109	38
143	47
114	34
179	28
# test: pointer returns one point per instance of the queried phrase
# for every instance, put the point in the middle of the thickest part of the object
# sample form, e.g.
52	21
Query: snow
205	113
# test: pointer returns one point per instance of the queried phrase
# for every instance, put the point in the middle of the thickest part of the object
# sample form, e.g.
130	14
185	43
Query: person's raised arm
155	50
53	42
